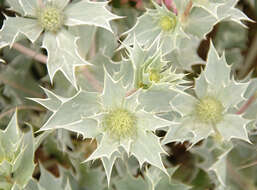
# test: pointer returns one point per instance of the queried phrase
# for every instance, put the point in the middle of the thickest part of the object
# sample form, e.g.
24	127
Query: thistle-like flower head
50	18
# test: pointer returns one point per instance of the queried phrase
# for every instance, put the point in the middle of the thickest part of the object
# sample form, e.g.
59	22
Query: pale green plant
123	97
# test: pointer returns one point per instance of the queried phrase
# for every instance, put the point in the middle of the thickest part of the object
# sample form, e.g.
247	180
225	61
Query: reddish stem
247	104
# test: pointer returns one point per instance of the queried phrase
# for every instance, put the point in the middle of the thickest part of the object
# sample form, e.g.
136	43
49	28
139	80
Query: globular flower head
120	123
51	18
167	23
209	110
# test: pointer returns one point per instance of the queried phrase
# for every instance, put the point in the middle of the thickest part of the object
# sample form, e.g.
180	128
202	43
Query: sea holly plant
53	18
159	97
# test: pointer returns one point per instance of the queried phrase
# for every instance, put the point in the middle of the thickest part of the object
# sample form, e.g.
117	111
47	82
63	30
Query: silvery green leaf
86	38
131	183
86	127
199	22
96	14
10	137
233	88
72	110
147	148
32	185
177	134
14	26
184	103
24	166
62	54
227	11
108	165
146	30
201	86
16	6
106	148
29	7
233	126
220	168
99	62
16	155
150	122
52	102
216	66
210	6
251	112
48	181
157	98
159	181
106	42
185	55
113	92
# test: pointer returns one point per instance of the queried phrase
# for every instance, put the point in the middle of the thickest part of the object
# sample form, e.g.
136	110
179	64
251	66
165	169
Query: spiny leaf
96	14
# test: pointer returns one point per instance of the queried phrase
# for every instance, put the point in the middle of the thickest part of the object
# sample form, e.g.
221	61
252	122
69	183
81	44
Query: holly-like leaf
62	55
96	14
227	11
14	26
16	156
83	104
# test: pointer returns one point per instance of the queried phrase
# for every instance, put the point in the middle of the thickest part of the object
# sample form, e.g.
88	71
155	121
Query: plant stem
26	51
19	87
43	59
249	60
247	104
187	11
92	80
20	107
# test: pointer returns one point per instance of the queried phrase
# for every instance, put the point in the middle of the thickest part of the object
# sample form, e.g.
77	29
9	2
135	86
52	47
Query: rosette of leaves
115	120
210	111
16	156
52	18
147	66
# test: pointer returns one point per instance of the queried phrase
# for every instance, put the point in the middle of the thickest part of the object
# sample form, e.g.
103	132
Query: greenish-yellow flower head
168	23
155	75
51	18
209	110
120	123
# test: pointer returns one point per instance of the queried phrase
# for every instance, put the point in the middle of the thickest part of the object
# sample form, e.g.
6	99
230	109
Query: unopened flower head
51	18
155	75
209	110
120	123
168	23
